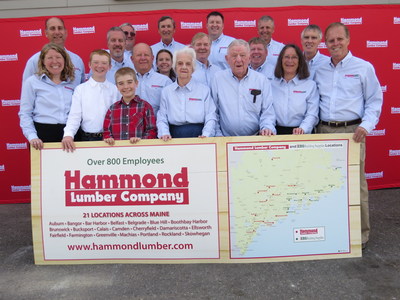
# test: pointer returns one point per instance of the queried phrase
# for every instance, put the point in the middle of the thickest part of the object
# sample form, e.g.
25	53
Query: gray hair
312	27
115	28
186	50
266	19
239	42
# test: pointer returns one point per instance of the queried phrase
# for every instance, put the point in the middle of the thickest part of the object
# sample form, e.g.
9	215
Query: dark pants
90	137
49	132
284	129
186	131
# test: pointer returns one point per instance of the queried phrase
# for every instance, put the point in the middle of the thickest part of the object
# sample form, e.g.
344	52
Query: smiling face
258	55
126	85
166	30
238	58
265	30
116	44
184	67
164	63
215	26
142	58
202	48
54	63
100	65
290	62
337	43
130	35
310	41
56	32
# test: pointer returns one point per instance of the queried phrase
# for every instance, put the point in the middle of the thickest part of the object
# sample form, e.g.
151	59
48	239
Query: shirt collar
188	86
217	40
94	83
344	61
170	45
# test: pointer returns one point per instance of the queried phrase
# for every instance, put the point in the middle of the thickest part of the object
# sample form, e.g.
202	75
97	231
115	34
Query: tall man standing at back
311	37
350	101
242	96
220	42
166	29
266	28
56	33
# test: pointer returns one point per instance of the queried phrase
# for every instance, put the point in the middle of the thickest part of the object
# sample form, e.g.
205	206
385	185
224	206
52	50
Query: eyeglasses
132	34
287	57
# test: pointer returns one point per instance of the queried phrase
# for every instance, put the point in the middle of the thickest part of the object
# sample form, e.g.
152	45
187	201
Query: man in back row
56	33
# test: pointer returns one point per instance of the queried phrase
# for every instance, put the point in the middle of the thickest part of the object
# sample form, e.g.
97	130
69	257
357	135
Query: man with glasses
130	34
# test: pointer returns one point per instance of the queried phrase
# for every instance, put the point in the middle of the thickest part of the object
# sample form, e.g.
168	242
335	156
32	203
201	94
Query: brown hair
68	73
125	71
302	70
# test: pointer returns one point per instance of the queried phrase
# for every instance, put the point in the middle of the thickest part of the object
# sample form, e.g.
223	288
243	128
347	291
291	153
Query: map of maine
268	186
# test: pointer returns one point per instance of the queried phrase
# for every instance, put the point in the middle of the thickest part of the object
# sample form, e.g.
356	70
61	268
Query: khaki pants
365	226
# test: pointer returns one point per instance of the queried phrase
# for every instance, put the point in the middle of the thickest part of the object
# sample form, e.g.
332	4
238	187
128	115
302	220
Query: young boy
131	118
90	102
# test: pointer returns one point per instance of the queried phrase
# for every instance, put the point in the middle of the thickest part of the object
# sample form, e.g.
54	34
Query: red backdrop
374	37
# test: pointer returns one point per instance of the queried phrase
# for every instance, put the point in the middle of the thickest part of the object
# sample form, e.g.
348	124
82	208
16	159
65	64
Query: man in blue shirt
242	96
350	101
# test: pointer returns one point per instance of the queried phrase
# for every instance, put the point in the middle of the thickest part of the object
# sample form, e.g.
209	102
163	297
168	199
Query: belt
89	134
341	123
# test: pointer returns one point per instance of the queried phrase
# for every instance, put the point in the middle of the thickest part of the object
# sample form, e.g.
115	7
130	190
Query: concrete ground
374	276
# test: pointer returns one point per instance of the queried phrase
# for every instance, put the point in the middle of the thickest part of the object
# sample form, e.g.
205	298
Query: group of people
216	86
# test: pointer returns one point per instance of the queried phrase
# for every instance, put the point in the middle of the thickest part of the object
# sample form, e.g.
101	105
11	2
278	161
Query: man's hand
36	143
109	141
266	132
360	134
298	130
68	144
134	140
166	137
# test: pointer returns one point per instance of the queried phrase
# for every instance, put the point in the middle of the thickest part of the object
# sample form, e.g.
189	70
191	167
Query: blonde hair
68	73
100	52
125	71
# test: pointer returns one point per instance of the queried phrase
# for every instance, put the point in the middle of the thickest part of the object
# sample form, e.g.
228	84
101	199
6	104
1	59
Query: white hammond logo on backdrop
394	152
9	57
374	175
377	132
5	103
241	24
384	88
395	110
377	44
30	33
141	27
191	25
396	20
84	30
2	168
322	45
20	188
16	146
298	22
396	66
351	21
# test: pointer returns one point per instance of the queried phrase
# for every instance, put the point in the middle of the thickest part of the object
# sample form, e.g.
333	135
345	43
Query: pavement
374	276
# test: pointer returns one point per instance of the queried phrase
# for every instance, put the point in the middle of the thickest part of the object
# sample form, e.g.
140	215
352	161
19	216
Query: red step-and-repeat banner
374	37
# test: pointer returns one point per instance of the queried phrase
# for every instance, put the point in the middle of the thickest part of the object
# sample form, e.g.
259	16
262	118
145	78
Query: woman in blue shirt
46	97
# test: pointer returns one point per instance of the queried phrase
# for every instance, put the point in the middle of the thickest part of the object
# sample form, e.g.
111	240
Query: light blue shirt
219	49
150	86
205	74
265	69
90	102
172	47
274	49
349	91
115	66
31	67
239	115
296	103
43	101
316	62
190	104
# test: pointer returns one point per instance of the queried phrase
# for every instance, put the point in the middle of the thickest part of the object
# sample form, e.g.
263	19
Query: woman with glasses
295	95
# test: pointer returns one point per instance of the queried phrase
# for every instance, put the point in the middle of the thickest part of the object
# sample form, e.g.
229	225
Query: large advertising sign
218	200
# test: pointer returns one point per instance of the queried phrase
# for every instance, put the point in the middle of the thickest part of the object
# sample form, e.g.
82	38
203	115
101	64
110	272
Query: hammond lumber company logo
377	132
20	188
30	33
16	146
84	30
395	110
191	25
9	57
242	24
126	189
394	152
377	44
351	21
141	27
5	103
374	175
298	22
396	20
